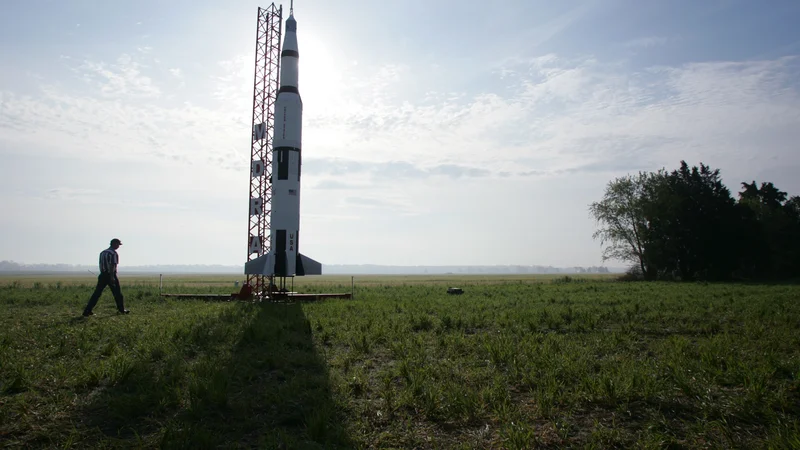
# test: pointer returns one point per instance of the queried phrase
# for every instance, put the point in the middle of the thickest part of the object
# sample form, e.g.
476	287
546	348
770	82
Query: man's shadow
273	392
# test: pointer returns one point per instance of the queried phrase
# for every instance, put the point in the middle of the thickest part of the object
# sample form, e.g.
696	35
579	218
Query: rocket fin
263	265
307	266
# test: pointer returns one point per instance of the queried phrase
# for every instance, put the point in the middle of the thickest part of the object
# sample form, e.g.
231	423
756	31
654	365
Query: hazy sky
435	132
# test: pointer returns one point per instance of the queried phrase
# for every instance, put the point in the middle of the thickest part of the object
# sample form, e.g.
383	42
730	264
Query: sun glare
321	73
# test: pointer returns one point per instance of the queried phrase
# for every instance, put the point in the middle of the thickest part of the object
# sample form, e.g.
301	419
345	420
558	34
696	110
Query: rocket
284	258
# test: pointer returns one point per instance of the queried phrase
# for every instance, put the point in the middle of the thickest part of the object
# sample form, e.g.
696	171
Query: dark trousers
103	280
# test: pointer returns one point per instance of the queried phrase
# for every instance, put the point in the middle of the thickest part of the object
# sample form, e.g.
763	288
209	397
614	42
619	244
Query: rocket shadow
271	391
277	395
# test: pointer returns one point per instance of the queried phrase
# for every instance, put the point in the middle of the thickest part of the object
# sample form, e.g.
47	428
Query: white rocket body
284	258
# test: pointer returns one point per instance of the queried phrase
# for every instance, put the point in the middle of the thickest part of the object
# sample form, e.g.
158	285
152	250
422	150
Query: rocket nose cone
291	24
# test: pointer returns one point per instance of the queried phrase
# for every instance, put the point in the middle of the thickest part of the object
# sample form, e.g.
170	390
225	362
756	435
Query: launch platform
276	297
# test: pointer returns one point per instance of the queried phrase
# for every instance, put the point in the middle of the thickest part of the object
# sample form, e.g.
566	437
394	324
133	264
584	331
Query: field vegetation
514	362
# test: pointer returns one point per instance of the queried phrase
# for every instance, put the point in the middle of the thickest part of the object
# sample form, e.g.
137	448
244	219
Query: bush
634	273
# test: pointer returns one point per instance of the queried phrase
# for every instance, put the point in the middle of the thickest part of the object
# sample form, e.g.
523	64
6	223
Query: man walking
109	259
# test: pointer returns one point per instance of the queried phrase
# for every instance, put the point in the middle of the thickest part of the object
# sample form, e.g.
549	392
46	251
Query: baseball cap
116	241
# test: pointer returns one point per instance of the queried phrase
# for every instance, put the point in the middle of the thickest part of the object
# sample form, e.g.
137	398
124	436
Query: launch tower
265	90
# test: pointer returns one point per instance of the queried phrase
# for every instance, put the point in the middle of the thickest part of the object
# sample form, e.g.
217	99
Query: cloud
122	116
383	204
391	170
542	34
84	196
368	202
558	115
118	80
594	113
647	42
456	171
536	117
337	185
70	194
235	79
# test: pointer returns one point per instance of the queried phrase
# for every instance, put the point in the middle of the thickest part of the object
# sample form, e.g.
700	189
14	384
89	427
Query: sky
434	132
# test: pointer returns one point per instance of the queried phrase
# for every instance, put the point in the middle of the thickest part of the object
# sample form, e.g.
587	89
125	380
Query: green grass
514	362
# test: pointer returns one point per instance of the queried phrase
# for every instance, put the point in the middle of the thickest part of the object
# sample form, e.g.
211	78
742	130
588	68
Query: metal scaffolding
265	90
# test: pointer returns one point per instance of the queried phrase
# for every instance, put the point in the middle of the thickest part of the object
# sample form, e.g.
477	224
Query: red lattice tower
266	84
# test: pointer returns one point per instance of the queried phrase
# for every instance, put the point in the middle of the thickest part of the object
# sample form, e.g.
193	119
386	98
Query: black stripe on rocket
280	253
283	164
283	161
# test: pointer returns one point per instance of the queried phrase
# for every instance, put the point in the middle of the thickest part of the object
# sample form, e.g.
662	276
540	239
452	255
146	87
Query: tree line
686	225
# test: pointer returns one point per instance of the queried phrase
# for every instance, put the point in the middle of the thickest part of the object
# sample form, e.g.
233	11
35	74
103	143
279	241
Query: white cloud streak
555	115
120	80
647	42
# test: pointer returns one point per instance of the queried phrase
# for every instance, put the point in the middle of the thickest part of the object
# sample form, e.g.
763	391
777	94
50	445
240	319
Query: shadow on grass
270	391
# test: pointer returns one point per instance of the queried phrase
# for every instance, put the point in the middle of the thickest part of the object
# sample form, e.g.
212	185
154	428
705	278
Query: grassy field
514	362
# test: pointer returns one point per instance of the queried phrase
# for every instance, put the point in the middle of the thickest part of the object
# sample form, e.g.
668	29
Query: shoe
87	314
124	311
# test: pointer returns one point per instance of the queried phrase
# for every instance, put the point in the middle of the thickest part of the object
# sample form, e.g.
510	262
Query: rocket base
271	266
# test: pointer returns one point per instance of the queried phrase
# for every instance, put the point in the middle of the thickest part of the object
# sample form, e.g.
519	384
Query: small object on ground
124	311
454	290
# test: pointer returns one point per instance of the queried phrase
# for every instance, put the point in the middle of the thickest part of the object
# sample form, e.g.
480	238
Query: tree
686	225
792	207
767	195
775	237
694	213
623	229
